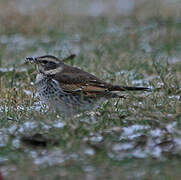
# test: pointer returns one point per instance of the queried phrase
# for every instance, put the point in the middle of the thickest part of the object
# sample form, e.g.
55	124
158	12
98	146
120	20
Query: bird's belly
66	103
70	105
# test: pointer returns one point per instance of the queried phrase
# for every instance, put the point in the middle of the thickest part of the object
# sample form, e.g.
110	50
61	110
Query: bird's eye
44	61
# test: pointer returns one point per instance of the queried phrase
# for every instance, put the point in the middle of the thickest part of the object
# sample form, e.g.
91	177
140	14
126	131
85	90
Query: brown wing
77	81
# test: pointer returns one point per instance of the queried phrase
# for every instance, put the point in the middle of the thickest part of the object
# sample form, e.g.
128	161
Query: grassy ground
135	138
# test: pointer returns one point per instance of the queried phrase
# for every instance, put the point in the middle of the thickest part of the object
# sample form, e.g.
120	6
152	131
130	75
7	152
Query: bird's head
47	64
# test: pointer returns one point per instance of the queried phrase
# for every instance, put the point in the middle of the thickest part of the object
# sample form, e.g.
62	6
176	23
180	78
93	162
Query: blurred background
29	27
130	42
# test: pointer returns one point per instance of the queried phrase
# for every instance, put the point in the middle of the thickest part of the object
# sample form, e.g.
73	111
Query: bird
68	89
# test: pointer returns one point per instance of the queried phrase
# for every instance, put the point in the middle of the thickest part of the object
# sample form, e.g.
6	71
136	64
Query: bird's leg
117	102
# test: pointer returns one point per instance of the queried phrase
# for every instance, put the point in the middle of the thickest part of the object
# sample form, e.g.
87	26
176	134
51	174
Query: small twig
72	56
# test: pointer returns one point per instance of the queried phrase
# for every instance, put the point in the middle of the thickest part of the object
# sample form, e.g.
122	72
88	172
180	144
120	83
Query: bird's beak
31	60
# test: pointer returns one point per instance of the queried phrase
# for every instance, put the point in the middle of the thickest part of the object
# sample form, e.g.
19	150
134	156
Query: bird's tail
128	88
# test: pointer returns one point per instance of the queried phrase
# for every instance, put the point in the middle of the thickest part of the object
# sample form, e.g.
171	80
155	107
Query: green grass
134	138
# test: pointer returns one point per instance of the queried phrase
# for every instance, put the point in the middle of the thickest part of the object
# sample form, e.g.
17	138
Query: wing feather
75	80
